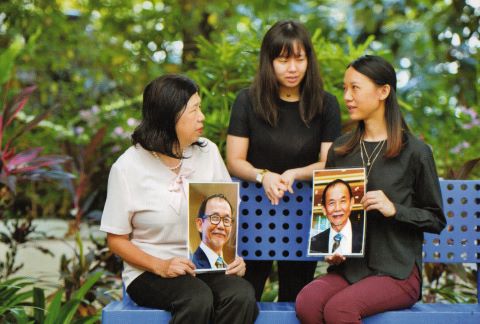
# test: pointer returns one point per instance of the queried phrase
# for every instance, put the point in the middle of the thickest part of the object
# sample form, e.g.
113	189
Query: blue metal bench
280	232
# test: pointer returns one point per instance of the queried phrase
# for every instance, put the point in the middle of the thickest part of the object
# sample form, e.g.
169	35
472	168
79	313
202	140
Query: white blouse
146	200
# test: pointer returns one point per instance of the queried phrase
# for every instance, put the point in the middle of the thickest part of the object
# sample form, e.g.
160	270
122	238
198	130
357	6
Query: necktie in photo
219	264
337	238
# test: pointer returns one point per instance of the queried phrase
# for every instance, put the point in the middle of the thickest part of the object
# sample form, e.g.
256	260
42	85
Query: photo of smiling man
340	224
213	238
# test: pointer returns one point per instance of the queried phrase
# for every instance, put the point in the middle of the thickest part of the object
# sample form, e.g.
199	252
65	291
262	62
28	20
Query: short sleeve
239	125
331	119
117	213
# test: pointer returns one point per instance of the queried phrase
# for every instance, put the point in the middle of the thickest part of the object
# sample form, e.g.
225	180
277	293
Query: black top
291	144
394	244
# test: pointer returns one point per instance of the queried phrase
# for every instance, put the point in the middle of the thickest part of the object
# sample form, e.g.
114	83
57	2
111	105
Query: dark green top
394	244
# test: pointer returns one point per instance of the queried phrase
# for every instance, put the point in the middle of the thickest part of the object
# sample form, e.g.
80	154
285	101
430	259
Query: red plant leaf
467	168
23	158
1	132
93	145
39	163
18	103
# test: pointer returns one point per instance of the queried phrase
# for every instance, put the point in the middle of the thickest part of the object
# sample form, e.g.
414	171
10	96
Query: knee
308	310
337	311
243	293
201	301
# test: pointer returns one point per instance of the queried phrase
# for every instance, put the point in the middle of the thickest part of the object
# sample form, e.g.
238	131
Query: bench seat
284	313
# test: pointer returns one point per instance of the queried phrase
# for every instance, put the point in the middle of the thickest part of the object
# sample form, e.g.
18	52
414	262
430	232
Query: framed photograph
212	225
338	220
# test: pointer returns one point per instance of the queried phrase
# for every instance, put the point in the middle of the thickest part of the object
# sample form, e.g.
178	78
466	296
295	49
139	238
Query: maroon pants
331	299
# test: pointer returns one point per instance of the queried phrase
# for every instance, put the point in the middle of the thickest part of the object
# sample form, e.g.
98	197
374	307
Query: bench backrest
280	232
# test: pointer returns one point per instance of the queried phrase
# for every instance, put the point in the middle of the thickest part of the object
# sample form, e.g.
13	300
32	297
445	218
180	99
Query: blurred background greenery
72	74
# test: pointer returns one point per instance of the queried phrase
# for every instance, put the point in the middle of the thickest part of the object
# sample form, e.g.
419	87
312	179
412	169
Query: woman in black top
403	201
280	131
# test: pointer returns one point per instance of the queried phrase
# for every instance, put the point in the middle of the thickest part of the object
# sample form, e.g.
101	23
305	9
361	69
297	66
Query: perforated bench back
459	241
280	232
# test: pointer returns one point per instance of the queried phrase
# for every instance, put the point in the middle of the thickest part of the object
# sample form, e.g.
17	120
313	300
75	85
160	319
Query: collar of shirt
346	242
211	255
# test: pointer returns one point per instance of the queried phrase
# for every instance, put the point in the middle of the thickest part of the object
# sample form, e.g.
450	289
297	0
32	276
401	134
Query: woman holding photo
145	214
280	131
402	201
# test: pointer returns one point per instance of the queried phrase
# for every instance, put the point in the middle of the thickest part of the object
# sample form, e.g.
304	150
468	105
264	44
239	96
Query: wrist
261	175
159	266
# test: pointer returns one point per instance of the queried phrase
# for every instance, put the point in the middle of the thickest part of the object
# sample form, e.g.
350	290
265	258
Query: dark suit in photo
200	259
319	243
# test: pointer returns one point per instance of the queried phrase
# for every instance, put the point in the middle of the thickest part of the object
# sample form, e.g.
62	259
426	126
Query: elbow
114	242
110	243
439	226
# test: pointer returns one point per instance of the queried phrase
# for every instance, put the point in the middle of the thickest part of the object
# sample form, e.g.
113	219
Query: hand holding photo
338	218
212	225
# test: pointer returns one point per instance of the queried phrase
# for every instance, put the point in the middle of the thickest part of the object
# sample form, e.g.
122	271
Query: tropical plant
67	312
28	164
75	271
22	302
14	299
89	163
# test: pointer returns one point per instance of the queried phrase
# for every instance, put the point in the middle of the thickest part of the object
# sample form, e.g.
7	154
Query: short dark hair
281	38
164	101
381	72
203	206
333	183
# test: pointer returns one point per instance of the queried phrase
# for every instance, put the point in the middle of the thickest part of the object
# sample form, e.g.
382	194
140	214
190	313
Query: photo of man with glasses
214	223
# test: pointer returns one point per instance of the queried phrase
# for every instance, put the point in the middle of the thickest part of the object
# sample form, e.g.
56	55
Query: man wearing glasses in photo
214	222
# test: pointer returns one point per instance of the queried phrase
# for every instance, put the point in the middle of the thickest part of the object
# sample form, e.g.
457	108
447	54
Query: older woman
145	211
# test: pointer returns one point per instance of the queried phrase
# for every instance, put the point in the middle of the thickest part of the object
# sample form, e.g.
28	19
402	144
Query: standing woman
145	214
280	131
402	201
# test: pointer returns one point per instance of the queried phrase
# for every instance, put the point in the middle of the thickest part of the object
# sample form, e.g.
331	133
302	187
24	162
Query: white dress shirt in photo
211	255
346	242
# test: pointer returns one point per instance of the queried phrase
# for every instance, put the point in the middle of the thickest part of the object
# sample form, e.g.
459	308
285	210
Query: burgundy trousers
331	299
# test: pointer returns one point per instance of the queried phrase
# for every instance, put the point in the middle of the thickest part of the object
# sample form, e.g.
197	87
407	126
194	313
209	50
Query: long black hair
282	38
381	73
164	101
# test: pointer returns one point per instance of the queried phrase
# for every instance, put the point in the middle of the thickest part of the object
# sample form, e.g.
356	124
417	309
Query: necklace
370	158
155	154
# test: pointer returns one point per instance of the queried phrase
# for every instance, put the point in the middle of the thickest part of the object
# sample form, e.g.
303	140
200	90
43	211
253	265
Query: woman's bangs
285	47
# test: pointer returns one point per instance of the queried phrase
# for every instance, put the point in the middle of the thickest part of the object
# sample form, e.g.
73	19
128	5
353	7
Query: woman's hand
377	200
288	178
237	267
274	187
334	259
174	267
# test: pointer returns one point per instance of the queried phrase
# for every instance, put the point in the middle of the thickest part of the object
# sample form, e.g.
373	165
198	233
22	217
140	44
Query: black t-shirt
290	144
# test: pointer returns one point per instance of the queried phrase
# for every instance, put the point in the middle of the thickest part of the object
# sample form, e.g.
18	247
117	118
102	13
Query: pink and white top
146	200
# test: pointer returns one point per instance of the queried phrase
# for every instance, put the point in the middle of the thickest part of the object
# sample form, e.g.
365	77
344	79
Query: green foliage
22	302
75	271
14	299
64	313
